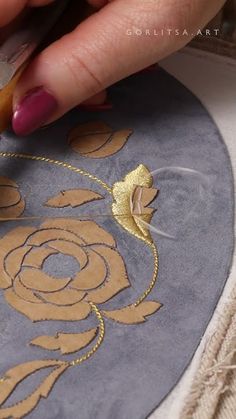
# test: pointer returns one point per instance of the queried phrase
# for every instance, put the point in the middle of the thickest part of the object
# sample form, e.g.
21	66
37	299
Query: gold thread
100	339
110	190
79	216
57	163
155	274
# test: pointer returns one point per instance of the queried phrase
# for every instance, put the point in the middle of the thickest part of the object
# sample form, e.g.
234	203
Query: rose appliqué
101	273
39	296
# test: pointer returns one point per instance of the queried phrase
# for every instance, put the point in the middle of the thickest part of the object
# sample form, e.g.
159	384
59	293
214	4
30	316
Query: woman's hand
102	50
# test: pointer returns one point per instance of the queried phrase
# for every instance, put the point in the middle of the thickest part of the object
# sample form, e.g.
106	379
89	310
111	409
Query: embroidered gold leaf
11	202
16	375
73	198
97	140
130	200
67	343
133	314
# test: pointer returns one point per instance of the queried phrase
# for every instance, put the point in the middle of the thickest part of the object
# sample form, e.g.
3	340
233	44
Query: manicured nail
33	111
96	107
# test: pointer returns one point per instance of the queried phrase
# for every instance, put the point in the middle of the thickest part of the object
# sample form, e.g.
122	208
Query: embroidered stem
101	336
108	189
154	277
57	163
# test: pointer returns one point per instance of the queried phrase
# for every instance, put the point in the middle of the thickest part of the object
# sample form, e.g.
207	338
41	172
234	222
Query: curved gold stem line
154	276
57	163
108	189
100	339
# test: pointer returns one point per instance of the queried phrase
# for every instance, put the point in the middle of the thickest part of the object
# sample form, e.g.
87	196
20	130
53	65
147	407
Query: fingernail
96	107
33	111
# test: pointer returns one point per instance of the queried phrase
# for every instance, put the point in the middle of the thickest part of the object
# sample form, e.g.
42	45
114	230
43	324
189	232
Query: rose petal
14	211
12	240
15	259
70	249
115	143
9	196
65	297
39	281
25	293
5	181
89	136
88	231
39	312
47	233
37	256
117	279
93	275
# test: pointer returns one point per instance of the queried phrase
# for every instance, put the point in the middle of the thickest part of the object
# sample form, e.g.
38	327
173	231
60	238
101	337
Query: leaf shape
133	314
97	140
73	198
115	143
16	375
67	343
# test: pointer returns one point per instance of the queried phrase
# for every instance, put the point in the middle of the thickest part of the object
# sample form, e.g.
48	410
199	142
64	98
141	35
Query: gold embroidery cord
139	177
57	163
17	374
31	292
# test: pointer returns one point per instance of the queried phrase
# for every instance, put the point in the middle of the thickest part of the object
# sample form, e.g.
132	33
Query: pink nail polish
33	111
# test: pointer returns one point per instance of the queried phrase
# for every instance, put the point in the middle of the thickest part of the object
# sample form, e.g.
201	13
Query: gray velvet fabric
137	365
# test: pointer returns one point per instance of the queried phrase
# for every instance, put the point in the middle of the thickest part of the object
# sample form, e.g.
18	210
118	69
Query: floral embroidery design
40	296
101	275
97	140
11	202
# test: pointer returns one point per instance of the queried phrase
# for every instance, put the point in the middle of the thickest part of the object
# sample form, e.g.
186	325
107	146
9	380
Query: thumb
100	52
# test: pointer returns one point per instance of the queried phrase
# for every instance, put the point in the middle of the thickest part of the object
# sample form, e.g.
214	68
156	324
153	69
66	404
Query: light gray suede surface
137	365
